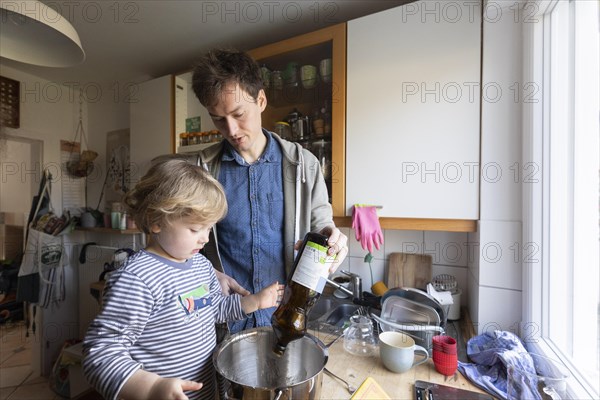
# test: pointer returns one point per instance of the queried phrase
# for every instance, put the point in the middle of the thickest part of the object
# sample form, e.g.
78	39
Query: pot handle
278	395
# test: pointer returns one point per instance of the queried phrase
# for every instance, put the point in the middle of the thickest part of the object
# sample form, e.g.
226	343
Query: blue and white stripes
144	325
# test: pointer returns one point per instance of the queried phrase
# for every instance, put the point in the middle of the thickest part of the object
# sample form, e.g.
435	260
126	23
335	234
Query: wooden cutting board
409	270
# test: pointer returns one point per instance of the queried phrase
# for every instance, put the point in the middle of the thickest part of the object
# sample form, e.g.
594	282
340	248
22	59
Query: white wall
48	113
494	279
108	112
194	108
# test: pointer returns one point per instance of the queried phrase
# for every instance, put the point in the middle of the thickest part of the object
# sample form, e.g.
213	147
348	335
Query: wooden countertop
355	369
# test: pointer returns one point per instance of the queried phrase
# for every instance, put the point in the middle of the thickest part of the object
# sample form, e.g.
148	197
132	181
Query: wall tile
500	254
501	121
473	297
473	252
446	248
498	309
403	242
345	265
358	266
356	249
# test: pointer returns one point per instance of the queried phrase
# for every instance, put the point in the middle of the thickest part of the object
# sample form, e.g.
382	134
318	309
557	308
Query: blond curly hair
174	189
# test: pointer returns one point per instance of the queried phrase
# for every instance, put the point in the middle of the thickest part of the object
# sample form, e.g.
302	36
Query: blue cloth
251	234
491	354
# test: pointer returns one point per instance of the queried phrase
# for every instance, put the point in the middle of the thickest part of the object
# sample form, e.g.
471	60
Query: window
561	210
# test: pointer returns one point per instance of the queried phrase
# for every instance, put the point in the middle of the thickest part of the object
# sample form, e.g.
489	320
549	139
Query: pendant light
34	33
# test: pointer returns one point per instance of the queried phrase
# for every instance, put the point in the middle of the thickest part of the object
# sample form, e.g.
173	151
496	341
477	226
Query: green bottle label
313	267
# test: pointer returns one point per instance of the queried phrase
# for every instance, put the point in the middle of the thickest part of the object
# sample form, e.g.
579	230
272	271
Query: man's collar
229	153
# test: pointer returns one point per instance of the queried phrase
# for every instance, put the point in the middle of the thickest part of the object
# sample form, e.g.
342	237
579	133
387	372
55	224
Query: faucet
355	282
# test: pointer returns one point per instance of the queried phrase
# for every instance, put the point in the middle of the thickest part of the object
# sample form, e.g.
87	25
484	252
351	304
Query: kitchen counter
355	369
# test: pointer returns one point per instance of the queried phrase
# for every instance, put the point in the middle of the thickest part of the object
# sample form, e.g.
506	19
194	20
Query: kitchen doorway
21	165
20	172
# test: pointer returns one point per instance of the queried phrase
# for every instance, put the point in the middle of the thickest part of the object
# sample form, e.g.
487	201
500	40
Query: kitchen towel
492	353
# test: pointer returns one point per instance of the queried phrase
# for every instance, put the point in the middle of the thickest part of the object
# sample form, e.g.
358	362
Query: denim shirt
251	240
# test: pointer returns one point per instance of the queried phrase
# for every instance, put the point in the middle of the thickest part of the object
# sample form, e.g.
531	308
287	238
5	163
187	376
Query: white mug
397	351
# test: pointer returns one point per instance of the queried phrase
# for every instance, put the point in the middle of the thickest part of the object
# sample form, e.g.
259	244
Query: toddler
155	335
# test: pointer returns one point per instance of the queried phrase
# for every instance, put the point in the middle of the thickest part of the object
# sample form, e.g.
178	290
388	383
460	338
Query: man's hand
338	246
230	285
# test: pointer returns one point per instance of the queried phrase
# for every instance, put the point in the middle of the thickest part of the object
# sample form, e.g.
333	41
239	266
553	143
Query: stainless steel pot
253	371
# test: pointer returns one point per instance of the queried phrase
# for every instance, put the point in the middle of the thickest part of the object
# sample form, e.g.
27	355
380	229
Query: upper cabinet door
151	124
413	111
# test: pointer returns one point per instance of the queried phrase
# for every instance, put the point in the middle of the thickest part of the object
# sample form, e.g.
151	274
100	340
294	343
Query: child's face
180	239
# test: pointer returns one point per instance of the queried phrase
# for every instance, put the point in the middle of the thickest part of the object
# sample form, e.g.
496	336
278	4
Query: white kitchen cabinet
413	112
151	123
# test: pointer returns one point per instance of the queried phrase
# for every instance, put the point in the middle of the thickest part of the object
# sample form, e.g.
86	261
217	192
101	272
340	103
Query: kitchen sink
331	314
323	305
341	314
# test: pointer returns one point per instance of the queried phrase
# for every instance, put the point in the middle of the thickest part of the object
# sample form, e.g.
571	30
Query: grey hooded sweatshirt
306	204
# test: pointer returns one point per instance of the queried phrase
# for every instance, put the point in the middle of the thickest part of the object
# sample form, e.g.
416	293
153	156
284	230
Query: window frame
536	196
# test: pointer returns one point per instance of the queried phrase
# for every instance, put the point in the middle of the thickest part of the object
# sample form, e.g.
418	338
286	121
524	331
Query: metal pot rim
256	331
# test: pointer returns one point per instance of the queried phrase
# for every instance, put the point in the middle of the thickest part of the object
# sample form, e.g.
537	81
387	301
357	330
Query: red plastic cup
445	364
445	344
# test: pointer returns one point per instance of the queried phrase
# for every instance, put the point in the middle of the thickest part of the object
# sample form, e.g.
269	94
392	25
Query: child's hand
172	388
149	386
268	297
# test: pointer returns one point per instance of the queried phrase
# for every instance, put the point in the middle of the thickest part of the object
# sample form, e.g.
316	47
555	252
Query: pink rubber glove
366	225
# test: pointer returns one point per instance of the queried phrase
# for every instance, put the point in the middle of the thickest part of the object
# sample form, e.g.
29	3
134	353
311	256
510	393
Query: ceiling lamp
34	33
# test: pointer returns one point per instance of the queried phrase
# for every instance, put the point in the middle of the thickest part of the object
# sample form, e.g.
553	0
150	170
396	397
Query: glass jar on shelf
326	116
198	137
277	80
183	139
265	74
215	136
322	150
283	129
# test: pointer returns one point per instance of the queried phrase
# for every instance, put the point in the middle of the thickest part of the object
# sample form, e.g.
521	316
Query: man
275	188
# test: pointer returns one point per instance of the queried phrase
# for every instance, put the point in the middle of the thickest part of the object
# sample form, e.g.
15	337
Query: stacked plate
413	312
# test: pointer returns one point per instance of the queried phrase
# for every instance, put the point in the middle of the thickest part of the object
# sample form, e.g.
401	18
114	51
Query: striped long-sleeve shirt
158	315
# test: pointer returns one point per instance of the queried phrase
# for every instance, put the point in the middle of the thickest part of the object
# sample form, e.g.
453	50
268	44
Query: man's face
238	117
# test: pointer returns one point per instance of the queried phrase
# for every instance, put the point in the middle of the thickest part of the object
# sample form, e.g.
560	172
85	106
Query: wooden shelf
417	224
193	148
